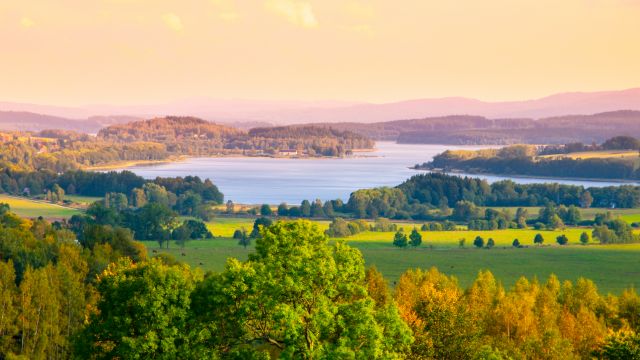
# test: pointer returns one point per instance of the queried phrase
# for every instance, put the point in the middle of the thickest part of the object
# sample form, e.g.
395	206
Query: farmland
612	267
31	208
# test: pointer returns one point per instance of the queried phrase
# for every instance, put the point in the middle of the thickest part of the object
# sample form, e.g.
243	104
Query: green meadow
84	200
612	267
32	208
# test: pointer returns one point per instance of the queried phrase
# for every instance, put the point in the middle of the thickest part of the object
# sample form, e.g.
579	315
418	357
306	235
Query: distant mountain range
290	112
28	121
557	118
555	105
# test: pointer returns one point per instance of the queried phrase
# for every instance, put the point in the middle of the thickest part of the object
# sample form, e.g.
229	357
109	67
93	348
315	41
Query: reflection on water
269	180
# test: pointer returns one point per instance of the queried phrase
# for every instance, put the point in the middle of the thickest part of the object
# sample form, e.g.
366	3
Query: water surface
269	180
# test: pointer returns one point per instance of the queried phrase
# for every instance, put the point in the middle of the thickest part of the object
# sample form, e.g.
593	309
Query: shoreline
131	163
357	153
564	178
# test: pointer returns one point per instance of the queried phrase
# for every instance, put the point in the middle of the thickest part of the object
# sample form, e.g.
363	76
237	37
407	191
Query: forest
192	136
590	161
297	296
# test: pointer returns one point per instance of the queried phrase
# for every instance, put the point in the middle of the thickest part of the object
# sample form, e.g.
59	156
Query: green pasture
84	200
612	267
31	209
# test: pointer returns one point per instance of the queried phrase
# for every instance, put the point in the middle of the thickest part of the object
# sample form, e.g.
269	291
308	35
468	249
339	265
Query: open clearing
31	208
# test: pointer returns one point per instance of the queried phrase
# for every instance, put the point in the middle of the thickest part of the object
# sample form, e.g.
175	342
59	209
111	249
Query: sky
76	52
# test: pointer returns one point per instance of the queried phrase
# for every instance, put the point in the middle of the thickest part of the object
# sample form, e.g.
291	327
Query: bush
478	242
490	243
562	239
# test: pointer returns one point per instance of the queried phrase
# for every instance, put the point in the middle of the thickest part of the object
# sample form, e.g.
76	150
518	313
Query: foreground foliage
297	297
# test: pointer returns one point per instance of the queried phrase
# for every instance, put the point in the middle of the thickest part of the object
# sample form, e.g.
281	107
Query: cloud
26	22
359	10
297	12
173	21
226	10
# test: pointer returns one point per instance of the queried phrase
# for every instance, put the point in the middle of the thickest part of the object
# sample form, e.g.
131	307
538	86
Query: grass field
30	208
604	154
612	267
85	200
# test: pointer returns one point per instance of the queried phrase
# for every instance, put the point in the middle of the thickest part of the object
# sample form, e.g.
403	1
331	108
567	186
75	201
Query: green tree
584	238
490	243
116	201
515	243
400	239
243	238
621	346
478	242
328	209
305	209
142	312
538	239
562	239
316	209
415	238
265	210
283	209
297	297
260	222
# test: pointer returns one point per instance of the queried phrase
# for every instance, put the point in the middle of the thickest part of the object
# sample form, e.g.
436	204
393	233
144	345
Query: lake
257	180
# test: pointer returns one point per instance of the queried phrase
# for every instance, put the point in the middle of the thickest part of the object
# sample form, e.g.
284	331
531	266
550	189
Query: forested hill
187	135
464	129
168	129
318	134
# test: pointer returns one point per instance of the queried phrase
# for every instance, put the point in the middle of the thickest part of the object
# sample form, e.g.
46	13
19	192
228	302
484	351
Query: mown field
30	208
612	267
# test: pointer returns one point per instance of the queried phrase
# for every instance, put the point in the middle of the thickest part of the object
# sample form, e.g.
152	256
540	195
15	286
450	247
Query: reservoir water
257	180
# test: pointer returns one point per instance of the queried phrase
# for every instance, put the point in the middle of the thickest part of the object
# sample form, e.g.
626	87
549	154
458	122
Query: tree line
434	196
527	160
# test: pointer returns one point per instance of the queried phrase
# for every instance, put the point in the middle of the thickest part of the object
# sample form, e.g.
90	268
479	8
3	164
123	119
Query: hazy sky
70	52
